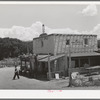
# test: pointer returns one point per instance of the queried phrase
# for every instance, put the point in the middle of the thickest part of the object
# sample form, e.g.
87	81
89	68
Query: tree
10	47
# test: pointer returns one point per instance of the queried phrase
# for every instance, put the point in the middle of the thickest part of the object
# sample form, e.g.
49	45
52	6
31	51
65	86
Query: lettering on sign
77	42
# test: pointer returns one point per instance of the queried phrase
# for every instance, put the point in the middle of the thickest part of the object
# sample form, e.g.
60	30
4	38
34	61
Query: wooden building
81	47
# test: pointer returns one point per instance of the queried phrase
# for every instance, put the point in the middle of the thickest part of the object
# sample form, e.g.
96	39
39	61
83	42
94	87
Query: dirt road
6	82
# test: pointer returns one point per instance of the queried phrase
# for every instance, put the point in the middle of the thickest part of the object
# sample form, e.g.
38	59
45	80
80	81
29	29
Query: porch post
66	64
79	62
70	67
89	61
49	67
25	63
21	65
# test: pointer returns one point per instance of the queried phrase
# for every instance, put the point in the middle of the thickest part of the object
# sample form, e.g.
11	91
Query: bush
77	82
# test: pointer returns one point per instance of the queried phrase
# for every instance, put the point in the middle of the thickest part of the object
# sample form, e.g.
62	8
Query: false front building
80	47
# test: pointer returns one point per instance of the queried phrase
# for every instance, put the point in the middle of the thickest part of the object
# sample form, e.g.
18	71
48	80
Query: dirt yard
6	82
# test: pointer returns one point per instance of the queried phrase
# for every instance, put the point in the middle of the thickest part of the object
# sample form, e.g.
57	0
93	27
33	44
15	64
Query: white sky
24	21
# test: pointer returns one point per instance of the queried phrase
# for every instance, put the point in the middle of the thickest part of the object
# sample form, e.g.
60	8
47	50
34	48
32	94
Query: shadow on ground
39	77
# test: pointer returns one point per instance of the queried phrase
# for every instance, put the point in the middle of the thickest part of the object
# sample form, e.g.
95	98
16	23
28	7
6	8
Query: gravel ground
6	82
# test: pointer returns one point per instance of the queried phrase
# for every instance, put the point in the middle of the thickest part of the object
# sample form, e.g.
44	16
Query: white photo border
45	94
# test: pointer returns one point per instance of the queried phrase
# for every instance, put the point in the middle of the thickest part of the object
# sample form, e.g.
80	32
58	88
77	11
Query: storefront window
83	62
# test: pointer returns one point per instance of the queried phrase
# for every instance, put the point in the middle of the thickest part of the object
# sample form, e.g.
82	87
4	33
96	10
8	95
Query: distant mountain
12	47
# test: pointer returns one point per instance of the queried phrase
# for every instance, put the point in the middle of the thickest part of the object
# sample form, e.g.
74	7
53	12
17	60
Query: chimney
43	29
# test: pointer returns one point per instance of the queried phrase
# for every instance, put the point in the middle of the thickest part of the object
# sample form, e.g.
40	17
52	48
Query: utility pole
66	63
69	56
70	78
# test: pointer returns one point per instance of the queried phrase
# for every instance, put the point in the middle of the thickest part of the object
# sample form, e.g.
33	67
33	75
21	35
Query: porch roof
85	54
39	57
52	58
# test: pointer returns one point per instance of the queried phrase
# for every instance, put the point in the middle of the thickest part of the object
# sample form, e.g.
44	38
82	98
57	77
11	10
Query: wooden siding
56	44
76	43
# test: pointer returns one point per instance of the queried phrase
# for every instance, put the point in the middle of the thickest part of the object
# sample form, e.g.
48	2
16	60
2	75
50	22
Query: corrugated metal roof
87	54
66	35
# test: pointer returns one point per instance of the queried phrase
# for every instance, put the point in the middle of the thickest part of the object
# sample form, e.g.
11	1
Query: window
76	63
41	43
67	42
86	41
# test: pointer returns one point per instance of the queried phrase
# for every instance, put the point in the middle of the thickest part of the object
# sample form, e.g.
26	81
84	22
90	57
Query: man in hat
16	72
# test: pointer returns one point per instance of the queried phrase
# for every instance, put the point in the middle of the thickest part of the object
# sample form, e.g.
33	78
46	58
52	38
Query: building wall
56	44
61	67
43	45
76	43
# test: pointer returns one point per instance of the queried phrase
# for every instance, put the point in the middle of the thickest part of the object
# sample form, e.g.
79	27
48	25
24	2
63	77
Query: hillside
12	47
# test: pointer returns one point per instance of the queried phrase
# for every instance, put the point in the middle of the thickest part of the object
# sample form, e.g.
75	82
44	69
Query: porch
78	61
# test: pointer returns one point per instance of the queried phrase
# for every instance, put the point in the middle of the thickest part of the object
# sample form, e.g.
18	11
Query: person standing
16	73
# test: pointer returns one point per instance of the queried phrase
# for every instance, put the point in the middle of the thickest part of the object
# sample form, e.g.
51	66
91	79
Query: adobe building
80	47
59	43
